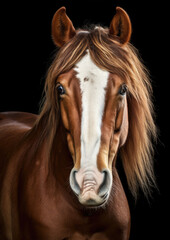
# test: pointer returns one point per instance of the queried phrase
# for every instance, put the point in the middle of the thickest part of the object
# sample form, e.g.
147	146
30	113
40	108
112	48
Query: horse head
93	110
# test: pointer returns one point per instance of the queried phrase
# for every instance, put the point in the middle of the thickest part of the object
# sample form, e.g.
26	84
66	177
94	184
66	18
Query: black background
27	51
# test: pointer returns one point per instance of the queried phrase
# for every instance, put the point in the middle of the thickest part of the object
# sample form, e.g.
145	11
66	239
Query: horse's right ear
62	28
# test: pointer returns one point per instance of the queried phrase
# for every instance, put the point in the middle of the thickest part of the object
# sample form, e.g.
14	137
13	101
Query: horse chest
61	221
45	215
94	225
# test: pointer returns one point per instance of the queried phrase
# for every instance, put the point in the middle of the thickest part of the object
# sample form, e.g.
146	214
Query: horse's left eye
60	90
123	89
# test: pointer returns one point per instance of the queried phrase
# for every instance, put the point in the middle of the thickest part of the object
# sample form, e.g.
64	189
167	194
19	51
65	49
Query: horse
58	171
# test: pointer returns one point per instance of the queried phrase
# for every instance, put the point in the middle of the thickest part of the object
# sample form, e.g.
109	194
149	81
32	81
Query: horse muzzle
91	186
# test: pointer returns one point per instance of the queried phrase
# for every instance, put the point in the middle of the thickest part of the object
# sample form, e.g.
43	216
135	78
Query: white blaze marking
93	82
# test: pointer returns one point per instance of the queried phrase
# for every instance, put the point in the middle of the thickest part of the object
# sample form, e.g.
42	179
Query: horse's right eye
60	90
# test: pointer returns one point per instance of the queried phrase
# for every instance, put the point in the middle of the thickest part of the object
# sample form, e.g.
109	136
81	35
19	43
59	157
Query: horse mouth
92	200
89	196
93	203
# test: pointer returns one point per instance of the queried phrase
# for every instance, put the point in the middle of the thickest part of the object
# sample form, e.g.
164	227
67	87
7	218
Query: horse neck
60	160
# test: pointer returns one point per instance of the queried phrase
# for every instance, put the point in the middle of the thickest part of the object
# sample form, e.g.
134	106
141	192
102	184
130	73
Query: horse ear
121	26
62	27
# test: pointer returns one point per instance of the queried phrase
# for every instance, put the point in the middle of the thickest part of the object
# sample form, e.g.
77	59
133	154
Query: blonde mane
108	54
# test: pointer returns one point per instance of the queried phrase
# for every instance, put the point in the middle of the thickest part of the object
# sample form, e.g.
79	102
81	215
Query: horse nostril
73	182
106	184
104	196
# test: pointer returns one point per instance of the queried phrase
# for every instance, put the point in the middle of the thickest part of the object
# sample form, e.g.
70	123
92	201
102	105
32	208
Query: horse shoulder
13	127
27	119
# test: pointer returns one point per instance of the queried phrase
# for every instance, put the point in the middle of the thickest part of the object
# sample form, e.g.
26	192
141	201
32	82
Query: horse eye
123	90
60	90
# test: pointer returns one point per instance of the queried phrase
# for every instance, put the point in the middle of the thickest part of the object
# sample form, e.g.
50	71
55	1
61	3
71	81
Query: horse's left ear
62	28
121	26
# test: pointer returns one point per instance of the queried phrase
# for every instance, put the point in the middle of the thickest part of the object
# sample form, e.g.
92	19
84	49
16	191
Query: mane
108	54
